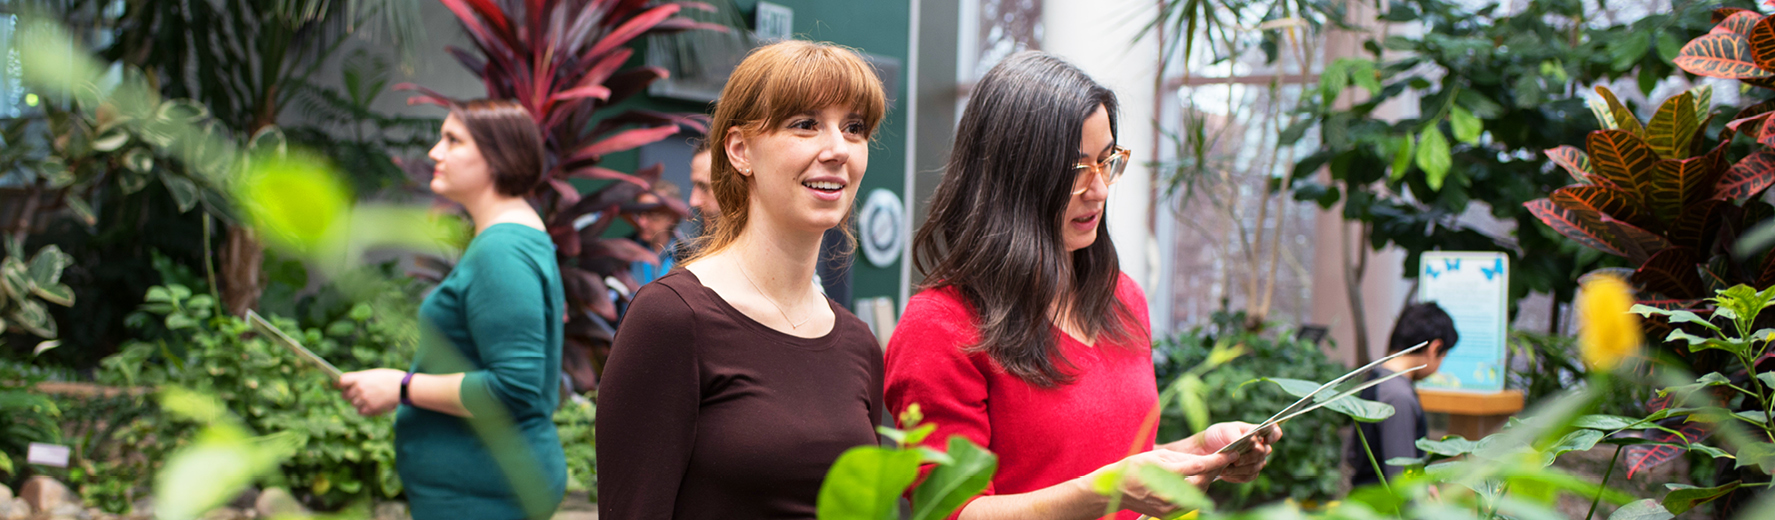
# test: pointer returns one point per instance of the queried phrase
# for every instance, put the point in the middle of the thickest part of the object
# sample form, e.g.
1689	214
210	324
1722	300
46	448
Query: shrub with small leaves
342	456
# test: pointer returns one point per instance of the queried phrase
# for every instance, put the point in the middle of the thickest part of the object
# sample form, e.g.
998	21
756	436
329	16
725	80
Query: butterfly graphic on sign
1452	264
1497	268
1431	270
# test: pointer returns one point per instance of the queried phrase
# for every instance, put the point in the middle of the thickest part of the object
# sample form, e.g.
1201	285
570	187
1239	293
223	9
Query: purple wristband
404	381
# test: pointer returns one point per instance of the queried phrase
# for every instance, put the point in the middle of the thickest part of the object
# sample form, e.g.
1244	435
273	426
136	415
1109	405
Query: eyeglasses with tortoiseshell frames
1110	169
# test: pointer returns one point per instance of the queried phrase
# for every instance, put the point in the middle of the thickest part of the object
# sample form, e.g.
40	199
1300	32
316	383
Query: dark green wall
875	27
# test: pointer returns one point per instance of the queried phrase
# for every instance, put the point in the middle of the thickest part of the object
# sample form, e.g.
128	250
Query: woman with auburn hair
1027	339
500	310
733	384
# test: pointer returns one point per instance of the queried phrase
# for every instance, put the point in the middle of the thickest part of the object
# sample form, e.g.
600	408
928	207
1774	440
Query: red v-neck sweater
1042	436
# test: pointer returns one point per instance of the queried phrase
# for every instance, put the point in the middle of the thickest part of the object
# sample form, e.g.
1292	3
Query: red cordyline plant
562	60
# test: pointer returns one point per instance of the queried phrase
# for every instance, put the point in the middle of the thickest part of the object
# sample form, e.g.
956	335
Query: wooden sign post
1472	415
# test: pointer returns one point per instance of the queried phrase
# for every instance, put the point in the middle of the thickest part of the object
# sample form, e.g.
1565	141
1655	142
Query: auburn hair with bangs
774	83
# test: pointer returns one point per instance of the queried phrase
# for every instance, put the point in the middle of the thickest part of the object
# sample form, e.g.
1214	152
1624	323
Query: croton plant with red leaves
1675	204
563	60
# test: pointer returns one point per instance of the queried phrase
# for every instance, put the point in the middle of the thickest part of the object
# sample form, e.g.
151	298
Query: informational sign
883	226
773	22
1473	288
47	454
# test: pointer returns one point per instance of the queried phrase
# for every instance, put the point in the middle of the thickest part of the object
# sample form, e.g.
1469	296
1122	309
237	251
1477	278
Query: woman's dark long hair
994	227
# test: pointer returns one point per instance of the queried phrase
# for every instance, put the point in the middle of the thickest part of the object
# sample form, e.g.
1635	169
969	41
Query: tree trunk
1553	314
243	259
1353	270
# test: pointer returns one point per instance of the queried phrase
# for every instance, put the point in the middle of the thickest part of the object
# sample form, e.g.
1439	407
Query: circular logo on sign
883	227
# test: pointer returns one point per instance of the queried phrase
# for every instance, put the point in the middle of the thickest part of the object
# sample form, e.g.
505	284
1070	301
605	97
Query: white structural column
1102	37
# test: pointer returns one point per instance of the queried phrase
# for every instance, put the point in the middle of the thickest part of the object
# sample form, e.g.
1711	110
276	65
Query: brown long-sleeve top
705	413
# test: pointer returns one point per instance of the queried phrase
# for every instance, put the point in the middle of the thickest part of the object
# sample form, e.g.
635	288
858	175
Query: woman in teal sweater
474	437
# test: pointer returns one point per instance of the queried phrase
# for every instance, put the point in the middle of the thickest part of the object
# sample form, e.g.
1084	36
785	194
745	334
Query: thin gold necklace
773	301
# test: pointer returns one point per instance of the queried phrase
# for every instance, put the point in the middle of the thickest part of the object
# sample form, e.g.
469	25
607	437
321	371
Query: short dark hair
509	140
699	146
1423	322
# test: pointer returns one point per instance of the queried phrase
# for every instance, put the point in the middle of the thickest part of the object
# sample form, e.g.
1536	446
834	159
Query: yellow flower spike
294	200
1610	333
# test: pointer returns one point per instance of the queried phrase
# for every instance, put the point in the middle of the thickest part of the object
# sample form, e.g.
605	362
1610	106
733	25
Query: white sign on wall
773	22
883	226
1474	289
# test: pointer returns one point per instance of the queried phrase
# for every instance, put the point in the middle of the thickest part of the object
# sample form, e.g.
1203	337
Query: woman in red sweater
1028	339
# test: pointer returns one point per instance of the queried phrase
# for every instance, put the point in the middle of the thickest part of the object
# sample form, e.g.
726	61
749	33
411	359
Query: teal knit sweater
497	317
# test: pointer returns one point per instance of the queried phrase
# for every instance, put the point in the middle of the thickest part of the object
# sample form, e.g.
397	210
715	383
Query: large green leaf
82	210
1577	440
1467	128
1672	127
1681	499
950	485
47	265
1404	148
1605	422
1703	96
184	190
1674	315
111	141
1173	488
1624	118
223	459
15	278
1761	454
1604	119
1742	304
269	142
32	316
1648	509
1357	408
1676	184
865	483
1711	379
1433	157
1452	446
297	203
1720	55
1622	158
59	294
1574	161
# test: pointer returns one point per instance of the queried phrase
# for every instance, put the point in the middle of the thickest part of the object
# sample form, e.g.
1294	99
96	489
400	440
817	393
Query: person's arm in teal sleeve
505	310
504	307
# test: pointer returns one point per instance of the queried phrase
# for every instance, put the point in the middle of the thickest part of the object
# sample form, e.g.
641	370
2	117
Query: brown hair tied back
508	139
774	83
